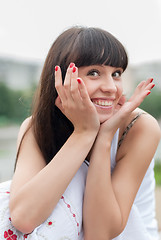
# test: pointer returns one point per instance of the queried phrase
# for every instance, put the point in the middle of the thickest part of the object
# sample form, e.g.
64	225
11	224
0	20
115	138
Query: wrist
84	138
86	134
104	137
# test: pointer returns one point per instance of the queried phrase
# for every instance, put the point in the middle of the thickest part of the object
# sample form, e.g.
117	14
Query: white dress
65	222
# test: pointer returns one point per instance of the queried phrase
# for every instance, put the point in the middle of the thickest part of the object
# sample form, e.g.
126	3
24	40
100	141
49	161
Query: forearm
101	212
44	190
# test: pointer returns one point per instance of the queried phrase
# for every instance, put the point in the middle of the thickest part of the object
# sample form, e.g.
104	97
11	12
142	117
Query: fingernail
153	86
56	68
74	69
78	80
148	93
151	80
71	65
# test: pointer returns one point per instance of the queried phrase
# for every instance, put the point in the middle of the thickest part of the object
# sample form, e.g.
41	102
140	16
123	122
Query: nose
108	85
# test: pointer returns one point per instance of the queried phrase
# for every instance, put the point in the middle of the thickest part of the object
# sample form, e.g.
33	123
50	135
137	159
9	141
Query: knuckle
69	70
82	107
66	85
72	107
57	85
73	90
64	104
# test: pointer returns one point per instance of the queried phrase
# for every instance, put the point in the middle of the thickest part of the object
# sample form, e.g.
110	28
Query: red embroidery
73	214
50	223
6	192
9	235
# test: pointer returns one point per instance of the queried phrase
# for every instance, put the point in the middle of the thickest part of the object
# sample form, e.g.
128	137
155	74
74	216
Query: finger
74	87
83	91
138	99
150	86
58	103
67	81
141	92
141	84
58	83
148	83
142	89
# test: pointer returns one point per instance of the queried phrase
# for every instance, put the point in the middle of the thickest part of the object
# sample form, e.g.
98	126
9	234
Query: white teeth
103	102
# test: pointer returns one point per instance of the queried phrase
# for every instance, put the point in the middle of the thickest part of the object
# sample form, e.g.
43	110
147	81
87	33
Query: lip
103	107
103	98
103	103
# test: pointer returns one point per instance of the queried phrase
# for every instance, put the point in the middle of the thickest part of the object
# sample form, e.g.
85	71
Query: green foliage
14	105
152	104
157	172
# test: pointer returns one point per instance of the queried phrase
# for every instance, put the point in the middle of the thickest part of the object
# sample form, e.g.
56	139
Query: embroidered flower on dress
50	223
73	214
8	235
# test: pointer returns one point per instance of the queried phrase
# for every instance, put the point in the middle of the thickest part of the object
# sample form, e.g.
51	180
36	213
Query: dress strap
128	128
86	162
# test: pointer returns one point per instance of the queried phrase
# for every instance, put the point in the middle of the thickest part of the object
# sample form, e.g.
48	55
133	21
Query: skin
103	84
94	128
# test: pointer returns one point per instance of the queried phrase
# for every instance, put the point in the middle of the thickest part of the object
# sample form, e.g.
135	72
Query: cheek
90	87
119	89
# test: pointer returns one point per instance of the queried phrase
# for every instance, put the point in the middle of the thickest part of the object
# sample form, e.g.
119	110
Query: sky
29	27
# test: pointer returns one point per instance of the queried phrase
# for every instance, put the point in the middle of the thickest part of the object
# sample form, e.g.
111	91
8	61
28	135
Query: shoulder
142	134
25	126
27	146
26	123
148	124
144	123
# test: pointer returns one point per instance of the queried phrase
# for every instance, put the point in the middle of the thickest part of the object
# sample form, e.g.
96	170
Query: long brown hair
85	47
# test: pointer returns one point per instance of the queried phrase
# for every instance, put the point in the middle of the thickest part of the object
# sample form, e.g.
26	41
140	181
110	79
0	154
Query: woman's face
104	86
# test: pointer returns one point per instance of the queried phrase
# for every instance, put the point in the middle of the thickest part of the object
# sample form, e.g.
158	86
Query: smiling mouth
103	103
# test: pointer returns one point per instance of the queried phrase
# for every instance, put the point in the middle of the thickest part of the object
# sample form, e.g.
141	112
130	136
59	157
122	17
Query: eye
117	74
93	72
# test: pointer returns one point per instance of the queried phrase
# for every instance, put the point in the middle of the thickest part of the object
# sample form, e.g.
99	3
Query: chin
105	113
104	118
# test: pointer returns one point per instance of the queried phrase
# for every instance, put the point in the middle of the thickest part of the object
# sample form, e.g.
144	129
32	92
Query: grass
4	121
157	172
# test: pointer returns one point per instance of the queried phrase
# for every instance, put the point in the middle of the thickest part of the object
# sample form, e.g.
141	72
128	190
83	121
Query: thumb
58	103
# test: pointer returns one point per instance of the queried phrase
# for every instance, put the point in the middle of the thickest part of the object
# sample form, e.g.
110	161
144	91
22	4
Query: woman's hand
74	102
125	108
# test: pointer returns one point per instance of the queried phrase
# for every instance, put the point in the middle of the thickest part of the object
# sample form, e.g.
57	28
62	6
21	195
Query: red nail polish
74	69
148	93
56	68
78	80
153	86
71	65
151	80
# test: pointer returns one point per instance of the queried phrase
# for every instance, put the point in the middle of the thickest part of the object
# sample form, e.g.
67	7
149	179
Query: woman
84	156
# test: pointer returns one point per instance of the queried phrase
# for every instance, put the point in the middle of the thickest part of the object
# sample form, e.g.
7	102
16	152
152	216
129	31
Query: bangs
94	46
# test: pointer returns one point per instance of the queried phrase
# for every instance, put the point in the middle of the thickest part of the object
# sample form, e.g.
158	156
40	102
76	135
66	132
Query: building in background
19	75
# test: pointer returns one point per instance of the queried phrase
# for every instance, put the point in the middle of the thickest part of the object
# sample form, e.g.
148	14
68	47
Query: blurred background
29	27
